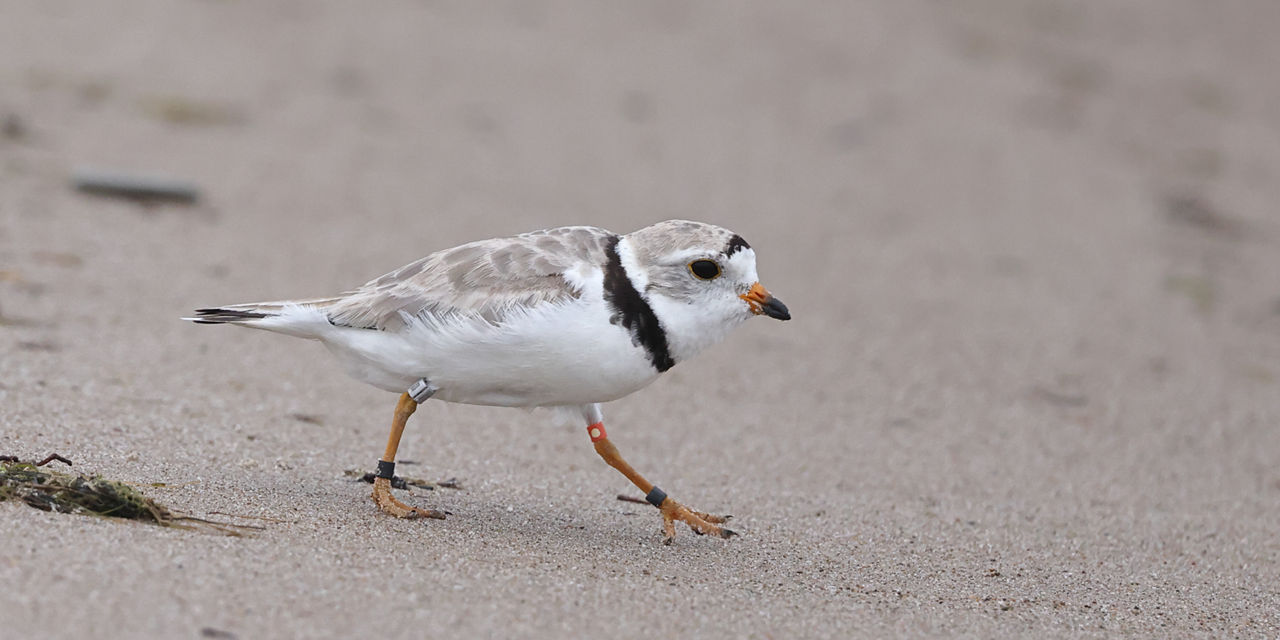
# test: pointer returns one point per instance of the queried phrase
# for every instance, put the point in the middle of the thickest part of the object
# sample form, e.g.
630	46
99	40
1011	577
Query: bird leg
386	468
701	523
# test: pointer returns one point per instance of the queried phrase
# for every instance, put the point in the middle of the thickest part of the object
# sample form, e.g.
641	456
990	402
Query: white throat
690	328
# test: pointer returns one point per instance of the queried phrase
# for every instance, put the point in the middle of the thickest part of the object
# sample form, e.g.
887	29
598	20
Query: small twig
164	485
626	498
236	515
58	487
225	527
404	483
51	458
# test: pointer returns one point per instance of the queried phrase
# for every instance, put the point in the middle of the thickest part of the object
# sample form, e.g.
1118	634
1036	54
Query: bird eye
705	269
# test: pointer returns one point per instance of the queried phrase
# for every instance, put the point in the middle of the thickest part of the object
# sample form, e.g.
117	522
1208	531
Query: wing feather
488	279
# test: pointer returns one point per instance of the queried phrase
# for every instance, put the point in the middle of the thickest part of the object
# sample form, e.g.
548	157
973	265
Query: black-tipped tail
222	316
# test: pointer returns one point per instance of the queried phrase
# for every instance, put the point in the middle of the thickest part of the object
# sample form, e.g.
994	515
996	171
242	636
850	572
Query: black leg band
656	496
386	469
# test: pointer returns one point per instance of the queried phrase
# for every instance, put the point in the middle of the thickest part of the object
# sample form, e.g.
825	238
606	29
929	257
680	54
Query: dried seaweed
60	492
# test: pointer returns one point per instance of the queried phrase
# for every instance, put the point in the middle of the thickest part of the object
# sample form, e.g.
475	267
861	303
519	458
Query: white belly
558	354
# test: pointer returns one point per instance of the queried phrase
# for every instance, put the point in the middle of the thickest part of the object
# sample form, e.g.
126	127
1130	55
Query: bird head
701	281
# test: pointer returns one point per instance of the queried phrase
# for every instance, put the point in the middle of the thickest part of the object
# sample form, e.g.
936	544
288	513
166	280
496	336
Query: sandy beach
1032	252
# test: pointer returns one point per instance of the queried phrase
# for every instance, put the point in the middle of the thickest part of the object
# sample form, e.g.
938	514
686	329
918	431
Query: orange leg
382	486
701	523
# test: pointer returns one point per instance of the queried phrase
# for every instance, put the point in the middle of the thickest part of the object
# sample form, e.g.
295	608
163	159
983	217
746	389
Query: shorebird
566	317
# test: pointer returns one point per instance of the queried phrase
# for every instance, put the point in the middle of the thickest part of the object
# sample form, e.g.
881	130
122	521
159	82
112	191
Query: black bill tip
774	308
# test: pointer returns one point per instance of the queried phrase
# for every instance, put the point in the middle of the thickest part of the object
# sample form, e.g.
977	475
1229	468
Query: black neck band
633	312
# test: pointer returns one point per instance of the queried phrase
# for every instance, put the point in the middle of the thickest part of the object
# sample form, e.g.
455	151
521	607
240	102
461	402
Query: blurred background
1031	249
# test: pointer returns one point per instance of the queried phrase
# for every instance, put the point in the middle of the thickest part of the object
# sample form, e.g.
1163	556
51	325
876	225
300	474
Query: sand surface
1032	386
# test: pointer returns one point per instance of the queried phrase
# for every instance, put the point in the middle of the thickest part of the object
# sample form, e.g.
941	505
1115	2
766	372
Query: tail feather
302	318
219	315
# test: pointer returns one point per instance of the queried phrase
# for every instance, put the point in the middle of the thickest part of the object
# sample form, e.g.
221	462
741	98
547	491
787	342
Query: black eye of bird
705	269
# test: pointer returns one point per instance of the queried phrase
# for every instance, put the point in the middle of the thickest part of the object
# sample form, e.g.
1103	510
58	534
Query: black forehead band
735	243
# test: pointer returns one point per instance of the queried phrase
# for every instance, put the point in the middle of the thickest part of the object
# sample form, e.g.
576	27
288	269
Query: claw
668	529
712	518
701	523
387	503
426	513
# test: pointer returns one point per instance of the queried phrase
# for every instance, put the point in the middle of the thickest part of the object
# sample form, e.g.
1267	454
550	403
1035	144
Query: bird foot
701	523
387	503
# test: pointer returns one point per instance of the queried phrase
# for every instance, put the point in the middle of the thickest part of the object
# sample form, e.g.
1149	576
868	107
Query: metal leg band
421	390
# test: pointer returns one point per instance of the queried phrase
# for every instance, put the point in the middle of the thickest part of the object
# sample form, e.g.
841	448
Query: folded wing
489	279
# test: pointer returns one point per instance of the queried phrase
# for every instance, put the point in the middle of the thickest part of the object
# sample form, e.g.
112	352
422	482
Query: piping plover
566	317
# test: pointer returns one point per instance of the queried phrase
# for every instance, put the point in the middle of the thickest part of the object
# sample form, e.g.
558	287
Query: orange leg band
596	431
